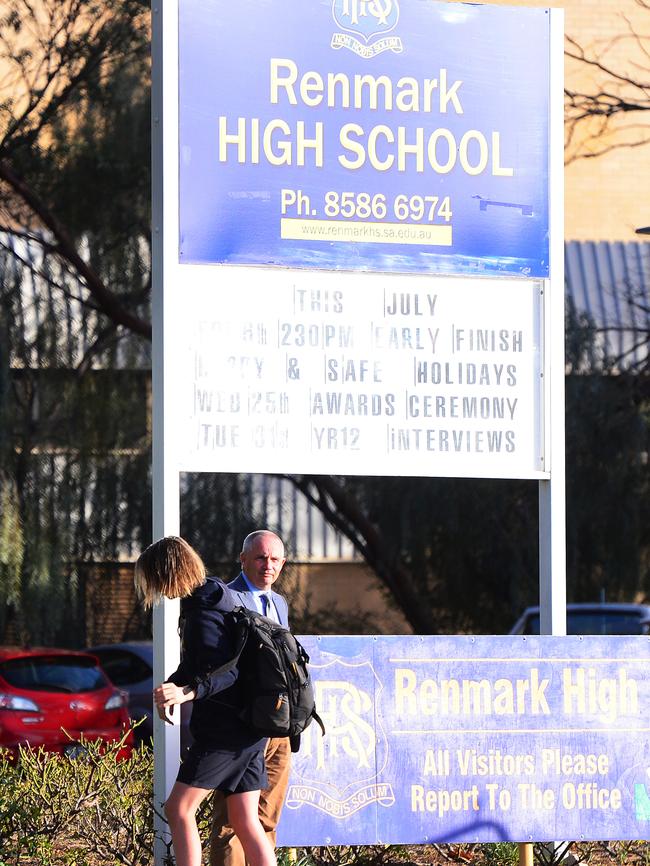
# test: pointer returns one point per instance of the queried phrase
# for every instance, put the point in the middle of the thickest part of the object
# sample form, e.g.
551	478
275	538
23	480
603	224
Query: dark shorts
231	771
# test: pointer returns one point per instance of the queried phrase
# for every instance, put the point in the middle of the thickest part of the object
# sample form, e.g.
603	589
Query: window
595	622
70	674
124	668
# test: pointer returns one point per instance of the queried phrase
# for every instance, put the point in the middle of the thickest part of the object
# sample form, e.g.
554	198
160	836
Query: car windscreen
596	622
53	674
123	668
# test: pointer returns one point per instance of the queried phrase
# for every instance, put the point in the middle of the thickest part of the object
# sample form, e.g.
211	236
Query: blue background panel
496	64
475	739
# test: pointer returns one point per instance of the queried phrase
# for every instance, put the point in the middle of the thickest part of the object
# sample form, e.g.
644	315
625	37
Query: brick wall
112	611
607	197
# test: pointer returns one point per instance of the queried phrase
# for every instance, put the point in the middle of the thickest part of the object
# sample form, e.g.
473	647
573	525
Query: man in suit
262	558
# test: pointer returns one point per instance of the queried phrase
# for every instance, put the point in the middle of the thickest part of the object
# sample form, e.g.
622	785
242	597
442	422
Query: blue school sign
474	739
386	135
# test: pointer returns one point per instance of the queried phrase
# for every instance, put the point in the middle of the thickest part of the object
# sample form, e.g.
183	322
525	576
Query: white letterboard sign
356	228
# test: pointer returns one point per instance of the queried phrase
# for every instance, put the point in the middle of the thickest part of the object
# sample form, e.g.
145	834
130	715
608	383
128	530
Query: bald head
262	558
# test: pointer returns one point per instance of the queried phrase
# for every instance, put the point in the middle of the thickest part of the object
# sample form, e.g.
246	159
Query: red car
47	692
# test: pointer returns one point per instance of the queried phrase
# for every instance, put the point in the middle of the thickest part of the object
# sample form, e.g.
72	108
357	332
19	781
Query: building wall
324	597
339	598
113	613
608	197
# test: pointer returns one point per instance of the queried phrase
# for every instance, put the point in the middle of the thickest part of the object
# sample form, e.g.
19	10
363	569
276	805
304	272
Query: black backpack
277	689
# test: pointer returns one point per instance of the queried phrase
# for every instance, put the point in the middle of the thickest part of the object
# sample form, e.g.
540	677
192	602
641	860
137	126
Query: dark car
130	666
55	698
596	618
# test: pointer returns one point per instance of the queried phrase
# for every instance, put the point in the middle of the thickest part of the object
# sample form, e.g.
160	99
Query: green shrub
500	853
95	810
77	811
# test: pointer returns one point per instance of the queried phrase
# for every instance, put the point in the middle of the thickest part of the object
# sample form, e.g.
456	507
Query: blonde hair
169	567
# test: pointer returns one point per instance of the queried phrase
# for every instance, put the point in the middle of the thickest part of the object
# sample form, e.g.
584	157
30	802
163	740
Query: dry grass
499	854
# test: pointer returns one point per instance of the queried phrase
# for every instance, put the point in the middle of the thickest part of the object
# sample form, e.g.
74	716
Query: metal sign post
165	476
552	494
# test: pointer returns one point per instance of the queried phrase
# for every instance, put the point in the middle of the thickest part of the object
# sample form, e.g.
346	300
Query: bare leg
180	810
225	847
243	818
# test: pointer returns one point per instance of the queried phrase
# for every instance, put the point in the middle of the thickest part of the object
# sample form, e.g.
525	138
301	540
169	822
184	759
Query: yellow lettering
473	135
349	144
504	703
405	682
373	135
286	82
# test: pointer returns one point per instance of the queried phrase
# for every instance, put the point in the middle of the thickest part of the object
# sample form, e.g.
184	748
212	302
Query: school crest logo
339	774
365	25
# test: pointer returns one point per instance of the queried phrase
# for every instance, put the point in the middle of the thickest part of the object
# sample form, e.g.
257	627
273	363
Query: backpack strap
239	649
244	634
295	740
242	640
314	714
318	719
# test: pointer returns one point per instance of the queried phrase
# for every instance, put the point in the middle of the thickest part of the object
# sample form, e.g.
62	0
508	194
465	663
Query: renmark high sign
357	237
386	135
473	739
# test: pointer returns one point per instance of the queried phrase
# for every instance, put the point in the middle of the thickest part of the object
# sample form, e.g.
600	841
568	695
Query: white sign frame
166	435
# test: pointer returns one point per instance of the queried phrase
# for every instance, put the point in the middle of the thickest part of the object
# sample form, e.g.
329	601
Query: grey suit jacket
240	590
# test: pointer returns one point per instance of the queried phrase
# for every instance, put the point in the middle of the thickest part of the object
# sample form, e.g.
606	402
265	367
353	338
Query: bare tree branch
55	58
597	118
106	300
343	512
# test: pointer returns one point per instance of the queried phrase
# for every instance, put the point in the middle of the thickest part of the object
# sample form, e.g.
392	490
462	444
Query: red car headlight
15	702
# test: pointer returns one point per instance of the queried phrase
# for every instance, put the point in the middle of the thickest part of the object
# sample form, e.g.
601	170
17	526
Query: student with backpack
262	559
226	755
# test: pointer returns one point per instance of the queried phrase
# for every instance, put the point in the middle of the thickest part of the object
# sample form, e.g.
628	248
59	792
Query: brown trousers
225	847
